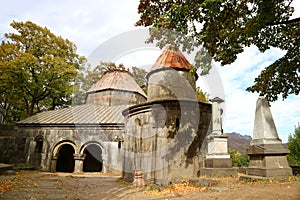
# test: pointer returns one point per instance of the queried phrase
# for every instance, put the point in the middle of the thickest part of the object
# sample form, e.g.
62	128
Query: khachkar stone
217	161
267	153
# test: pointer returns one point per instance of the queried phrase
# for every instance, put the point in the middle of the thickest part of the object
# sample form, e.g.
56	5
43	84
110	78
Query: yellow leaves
290	179
273	181
6	185
12	183
175	189
201	95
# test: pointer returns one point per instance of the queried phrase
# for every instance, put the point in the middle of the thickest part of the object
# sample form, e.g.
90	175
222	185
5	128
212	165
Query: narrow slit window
177	123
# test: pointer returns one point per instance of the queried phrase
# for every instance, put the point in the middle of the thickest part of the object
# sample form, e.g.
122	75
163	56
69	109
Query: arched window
39	140
137	121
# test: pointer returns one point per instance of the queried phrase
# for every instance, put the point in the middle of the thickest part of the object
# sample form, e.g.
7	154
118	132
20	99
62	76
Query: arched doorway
93	158
65	161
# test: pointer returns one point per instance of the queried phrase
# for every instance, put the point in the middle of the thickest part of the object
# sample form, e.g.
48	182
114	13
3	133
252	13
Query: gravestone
266	151
217	150
217	159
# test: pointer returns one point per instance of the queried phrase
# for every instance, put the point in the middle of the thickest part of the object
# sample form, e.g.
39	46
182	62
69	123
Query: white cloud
86	23
240	105
296	5
286	115
89	23
240	111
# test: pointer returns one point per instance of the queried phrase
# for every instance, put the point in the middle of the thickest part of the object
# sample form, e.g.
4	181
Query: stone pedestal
218	162
266	151
268	160
217	155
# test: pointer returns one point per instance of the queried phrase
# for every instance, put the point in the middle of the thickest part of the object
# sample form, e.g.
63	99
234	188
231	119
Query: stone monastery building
120	128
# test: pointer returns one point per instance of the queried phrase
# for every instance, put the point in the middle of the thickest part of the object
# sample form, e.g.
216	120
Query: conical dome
170	78
116	87
173	59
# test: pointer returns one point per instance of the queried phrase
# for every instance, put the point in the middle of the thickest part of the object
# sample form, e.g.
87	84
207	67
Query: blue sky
90	23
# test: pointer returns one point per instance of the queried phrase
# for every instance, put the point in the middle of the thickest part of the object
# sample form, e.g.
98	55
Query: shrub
294	147
238	159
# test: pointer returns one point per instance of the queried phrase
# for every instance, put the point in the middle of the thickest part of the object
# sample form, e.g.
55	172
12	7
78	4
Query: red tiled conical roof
173	59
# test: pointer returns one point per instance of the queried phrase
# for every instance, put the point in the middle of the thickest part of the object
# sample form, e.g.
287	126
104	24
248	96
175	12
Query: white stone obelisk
266	151
264	127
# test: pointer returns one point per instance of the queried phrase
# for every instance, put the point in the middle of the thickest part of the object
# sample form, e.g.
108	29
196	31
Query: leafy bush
294	147
238	159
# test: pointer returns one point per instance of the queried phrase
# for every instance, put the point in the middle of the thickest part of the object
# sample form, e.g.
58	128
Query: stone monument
266	151
217	161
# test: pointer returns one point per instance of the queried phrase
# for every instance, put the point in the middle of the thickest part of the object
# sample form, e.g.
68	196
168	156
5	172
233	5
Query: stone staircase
6	169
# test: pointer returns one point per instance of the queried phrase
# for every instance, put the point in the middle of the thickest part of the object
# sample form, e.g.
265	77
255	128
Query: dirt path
233	188
39	185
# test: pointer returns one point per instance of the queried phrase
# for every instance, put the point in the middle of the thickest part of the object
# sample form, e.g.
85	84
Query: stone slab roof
87	114
119	80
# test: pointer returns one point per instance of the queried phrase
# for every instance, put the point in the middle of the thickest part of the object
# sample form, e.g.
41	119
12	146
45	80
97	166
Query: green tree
88	77
224	28
294	147
37	69
201	95
139	75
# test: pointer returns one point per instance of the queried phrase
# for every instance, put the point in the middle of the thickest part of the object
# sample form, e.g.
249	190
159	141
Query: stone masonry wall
114	97
169	83
14	145
164	139
19	146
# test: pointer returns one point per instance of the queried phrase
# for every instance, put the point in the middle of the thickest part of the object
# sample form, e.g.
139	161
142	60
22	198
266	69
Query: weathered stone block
218	172
218	163
270	172
218	147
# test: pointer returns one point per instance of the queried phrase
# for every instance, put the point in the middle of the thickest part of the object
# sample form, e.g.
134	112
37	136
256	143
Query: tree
201	95
294	147
37	69
224	28
139	75
88	77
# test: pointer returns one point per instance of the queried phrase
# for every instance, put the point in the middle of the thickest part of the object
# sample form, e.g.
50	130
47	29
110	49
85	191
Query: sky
91	23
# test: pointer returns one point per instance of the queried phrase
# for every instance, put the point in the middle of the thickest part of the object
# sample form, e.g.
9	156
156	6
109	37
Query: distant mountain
238	142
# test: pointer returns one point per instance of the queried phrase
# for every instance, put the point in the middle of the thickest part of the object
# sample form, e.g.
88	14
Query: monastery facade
120	128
